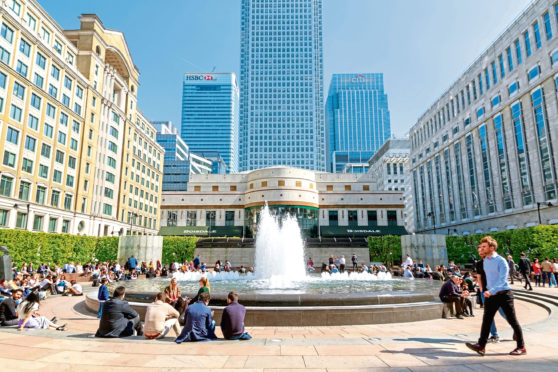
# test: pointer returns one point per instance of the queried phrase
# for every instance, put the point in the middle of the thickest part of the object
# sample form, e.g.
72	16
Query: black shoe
61	328
54	319
476	347
459	316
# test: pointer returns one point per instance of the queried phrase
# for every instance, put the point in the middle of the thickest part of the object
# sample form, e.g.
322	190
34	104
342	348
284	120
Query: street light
431	214
549	204
132	215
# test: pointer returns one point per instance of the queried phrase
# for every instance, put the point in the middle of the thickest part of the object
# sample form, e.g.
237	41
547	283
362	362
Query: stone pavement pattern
428	345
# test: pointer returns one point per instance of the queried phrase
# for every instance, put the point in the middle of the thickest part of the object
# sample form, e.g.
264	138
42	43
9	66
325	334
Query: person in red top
537	272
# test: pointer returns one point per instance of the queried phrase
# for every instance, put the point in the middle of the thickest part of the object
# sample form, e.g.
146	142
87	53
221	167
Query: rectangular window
495	101
4	56
21	220
57	176
48	130
107	209
494	73
522	155
37	223
55	198
33	122
40	60
372	218
24	191
480	112
4	217
66	100
71	162
43	171
65	226
503	162
35	101
79	91
7	33
40	197
392	218
68	201
15	7
30	143
537	35
333	218
527	43
31	22
109	193
114	132
487	78
77	108
19	90
68	82
55	72
9	159
52	224
73	144
27	165
6	186
110	177
59	158
24	47
52	90
38	80
12	135
502	69
69	180
50	111
62	138
467	121
481	89
45	150
3	79
111	162
547	26
554	57
353	218
534	73
21	68
513	88
518	51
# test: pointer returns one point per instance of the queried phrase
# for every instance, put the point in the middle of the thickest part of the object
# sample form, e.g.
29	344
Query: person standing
132	263
342	264
511	265
525	270
197	262
354	259
102	296
537	272
546	267
408	261
497	294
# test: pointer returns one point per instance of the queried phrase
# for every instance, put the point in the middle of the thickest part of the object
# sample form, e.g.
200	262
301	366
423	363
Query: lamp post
431	214
549	204
133	216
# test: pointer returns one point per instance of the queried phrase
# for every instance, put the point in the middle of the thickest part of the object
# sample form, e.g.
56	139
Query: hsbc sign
199	77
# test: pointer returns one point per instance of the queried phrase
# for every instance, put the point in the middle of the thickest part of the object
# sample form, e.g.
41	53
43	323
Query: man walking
497	293
525	270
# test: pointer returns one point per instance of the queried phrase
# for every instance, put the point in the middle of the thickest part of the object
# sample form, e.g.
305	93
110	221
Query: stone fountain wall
144	247
246	255
428	248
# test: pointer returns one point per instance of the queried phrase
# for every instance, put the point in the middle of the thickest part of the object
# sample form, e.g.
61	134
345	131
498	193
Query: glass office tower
210	115
357	118
281	85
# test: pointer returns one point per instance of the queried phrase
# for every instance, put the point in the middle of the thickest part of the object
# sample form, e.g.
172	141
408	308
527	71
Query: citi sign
199	77
361	79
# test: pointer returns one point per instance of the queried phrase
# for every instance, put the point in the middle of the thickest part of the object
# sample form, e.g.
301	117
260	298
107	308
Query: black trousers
526	275
502	299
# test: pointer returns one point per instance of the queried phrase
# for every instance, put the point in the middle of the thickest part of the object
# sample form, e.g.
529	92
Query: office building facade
326	204
484	155
357	119
389	167
67	100
281	85
179	161
210	115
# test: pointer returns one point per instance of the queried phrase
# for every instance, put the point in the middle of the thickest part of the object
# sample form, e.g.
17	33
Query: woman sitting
204	287
172	295
28	316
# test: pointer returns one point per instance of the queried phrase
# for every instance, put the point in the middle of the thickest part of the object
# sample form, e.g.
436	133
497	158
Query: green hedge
537	242
178	248
38	247
386	248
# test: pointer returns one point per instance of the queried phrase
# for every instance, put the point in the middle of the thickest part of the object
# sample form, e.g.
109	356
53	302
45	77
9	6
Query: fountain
279	292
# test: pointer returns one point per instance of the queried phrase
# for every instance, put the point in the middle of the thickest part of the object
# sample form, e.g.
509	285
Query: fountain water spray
279	250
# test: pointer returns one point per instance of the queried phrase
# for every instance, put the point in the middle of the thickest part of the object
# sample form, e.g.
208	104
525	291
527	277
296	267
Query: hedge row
386	248
537	242
38	247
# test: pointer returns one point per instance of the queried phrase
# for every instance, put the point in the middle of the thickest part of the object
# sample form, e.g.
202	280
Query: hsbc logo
199	77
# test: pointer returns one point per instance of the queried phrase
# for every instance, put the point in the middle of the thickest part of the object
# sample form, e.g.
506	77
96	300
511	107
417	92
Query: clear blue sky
420	46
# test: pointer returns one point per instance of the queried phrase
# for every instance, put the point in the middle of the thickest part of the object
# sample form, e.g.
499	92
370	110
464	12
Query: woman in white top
28	316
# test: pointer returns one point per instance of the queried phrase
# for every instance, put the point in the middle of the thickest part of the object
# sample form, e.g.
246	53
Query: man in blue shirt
199	325
497	294
132	262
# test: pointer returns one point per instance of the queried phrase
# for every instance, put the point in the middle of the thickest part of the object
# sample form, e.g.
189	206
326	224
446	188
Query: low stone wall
246	256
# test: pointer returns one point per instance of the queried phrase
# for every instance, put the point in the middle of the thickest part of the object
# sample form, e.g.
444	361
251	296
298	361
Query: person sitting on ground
74	289
199	325
408	273
8	309
232	320
204	287
334	269
172	295
4	288
118	318
29	317
151	273
450	293
160	317
242	269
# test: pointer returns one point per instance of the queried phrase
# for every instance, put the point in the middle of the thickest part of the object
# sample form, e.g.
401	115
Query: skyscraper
357	118
281	84
210	115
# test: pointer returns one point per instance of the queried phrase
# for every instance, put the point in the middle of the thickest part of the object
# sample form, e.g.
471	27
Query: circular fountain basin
317	300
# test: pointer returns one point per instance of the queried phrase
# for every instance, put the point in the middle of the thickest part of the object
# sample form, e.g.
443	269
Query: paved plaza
427	345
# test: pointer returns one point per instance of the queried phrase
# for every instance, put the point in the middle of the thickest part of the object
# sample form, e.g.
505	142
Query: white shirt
78	288
409	261
117	267
20	314
44	282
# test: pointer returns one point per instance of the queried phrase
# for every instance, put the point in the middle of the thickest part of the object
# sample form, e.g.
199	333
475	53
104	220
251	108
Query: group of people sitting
168	312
